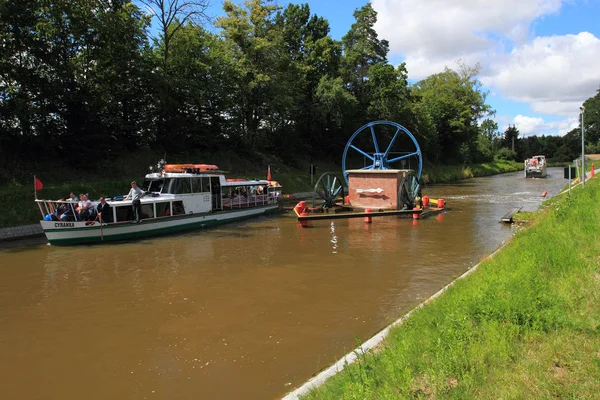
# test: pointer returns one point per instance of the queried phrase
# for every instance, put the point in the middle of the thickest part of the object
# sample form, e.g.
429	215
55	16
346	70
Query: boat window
197	185
124	213
174	186
154	186
163	209
178	208
186	185
147	211
180	186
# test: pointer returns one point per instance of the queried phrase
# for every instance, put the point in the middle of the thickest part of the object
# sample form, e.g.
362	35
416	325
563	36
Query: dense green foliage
525	325
83	82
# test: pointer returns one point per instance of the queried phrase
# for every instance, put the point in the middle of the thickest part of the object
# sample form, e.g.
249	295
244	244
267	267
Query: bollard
303	223
425	201
544	193
592	172
440	203
346	200
368	219
416	215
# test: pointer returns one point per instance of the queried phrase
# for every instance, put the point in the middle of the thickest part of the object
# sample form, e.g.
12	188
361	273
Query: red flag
269	173
38	184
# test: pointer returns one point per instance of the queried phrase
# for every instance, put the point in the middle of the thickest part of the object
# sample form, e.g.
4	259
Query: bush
506	154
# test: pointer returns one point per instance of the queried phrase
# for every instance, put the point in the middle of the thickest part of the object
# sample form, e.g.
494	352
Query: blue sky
539	58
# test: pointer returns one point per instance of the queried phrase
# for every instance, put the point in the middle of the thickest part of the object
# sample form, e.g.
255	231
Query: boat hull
69	233
538	173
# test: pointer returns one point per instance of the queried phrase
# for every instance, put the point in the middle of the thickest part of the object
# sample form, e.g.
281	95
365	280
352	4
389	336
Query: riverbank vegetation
526	324
86	83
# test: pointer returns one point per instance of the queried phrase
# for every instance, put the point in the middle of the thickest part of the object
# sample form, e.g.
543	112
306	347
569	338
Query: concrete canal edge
20	232
373	342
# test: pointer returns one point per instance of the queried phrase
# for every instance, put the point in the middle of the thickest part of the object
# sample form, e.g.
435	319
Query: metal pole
582	108
569	180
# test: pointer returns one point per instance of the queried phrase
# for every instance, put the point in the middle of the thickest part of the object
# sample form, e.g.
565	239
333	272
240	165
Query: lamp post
582	108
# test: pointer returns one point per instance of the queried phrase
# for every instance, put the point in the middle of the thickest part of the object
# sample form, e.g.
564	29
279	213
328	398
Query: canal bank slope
525	325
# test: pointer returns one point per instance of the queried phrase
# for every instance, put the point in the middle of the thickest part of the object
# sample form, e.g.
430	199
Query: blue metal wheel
409	192
381	144
329	191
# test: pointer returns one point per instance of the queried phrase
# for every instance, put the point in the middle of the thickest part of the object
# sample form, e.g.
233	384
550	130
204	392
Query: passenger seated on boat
61	208
84	207
68	214
104	211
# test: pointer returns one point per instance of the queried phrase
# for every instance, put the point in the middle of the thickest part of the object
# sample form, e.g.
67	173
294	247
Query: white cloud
529	126
553	74
435	33
550	71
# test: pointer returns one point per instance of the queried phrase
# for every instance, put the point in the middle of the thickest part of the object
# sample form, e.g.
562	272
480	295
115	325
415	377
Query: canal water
246	311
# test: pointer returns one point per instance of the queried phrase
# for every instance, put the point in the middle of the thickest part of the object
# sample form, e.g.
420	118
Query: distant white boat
535	167
178	197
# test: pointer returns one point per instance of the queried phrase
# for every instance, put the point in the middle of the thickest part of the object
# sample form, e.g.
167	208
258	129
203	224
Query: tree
487	140
511	135
362	49
455	101
172	15
255	41
591	119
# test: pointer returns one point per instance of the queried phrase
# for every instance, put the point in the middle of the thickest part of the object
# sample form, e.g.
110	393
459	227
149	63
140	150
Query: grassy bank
449	173
113	179
525	325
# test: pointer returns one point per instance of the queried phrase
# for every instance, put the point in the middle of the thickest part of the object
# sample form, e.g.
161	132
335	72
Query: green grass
448	173
525	325
113	179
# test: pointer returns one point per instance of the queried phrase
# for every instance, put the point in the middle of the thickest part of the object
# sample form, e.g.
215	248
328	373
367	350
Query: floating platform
347	212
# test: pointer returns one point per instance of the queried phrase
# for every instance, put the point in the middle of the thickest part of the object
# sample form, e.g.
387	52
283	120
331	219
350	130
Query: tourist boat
535	167
177	197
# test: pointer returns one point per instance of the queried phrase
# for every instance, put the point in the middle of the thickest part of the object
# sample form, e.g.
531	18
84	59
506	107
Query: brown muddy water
246	310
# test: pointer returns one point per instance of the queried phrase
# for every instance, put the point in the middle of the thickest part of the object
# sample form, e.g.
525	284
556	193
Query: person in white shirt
135	194
83	207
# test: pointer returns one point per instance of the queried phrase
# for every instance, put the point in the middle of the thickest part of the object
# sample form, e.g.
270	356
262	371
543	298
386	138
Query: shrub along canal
243	311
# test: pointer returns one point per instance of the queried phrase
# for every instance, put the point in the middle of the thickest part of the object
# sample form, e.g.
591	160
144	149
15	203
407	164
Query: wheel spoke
387	151
368	167
320	193
362	152
337	191
374	139
403	157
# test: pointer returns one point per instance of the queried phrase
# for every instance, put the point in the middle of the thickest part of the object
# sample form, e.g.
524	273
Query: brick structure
386	179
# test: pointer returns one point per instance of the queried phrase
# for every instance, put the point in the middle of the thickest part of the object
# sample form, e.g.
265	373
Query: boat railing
249	201
50	207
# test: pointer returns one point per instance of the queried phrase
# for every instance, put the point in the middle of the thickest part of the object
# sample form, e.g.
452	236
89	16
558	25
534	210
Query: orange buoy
425	201
440	203
368	219
544	193
416	215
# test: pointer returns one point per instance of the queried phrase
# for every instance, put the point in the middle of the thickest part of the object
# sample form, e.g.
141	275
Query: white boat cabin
181	189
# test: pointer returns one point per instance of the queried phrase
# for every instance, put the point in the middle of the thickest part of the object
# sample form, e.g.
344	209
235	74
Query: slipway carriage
381	170
177	197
